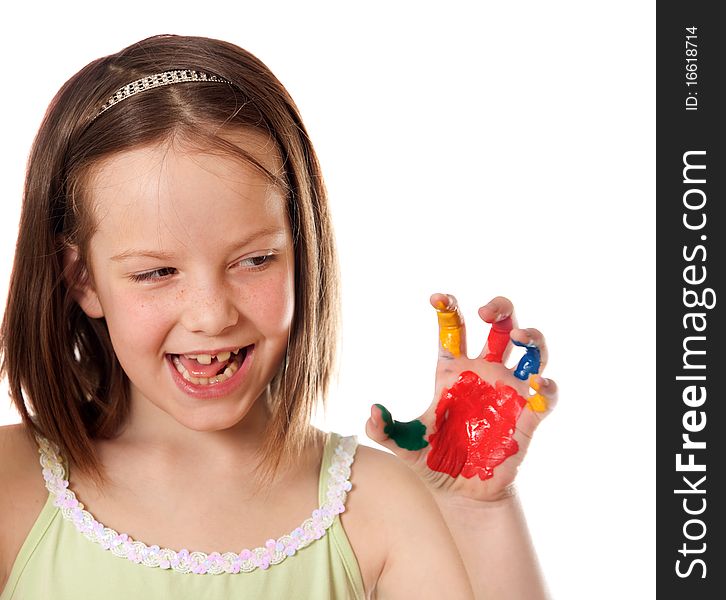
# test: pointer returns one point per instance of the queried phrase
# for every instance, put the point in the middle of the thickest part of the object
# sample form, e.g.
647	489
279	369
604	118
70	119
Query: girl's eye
257	263
254	263
154	275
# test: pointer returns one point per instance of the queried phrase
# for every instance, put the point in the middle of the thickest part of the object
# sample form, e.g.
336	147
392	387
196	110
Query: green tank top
70	556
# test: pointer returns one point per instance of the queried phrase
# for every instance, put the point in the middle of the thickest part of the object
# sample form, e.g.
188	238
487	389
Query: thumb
395	435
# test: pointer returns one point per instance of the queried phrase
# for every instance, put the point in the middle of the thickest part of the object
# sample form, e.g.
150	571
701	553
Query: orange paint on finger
450	327
538	402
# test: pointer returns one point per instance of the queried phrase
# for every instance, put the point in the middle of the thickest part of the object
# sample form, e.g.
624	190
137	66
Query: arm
493	538
22	493
423	560
468	445
402	544
8	458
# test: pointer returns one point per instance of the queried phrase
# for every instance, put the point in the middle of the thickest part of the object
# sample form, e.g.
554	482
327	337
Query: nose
209	308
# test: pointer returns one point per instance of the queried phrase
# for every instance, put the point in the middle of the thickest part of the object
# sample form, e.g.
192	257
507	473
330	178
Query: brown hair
61	363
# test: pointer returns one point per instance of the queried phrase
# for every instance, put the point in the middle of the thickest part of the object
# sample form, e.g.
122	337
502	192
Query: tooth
189	378
222	356
228	372
179	366
204	359
204	380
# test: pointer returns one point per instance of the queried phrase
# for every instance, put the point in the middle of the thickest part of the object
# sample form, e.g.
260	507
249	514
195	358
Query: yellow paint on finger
450	328
538	403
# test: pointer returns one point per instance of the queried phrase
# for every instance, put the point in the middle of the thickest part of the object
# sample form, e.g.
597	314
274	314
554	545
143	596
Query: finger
452	332
395	435
500	313
545	397
538	406
532	337
498	340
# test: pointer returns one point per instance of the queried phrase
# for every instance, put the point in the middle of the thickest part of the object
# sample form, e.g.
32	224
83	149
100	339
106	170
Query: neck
151	429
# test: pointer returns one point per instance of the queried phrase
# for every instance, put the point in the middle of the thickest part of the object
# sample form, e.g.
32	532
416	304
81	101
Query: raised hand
474	435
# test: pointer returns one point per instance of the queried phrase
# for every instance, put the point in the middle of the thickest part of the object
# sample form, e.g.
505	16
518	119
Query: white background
477	149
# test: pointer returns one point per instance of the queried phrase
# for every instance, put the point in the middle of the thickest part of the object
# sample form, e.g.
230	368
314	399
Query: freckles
274	310
272	300
145	320
143	312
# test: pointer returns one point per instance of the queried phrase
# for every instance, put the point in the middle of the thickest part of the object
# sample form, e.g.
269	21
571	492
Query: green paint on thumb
385	414
408	435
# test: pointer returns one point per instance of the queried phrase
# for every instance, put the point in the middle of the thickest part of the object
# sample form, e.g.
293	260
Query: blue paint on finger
529	363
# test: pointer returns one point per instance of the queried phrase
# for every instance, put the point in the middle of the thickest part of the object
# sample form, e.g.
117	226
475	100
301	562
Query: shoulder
390	489
372	467
18	456
398	532
385	486
22	492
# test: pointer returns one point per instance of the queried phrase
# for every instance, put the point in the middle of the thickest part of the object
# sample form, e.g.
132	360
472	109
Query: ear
79	282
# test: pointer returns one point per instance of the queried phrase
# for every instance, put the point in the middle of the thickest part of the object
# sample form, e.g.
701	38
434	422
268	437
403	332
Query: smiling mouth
206	370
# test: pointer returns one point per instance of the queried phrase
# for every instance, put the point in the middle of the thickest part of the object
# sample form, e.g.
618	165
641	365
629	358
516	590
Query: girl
171	322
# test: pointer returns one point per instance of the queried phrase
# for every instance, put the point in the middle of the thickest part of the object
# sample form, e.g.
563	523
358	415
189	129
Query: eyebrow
138	253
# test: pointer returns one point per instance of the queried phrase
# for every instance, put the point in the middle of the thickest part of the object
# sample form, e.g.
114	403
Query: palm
492	483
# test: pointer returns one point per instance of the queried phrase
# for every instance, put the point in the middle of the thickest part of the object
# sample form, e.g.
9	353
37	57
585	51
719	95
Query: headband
158	80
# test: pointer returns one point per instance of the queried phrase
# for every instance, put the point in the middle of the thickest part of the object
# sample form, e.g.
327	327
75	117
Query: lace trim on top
184	561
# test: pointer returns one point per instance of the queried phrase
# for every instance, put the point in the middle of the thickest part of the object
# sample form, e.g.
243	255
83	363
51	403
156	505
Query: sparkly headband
155	81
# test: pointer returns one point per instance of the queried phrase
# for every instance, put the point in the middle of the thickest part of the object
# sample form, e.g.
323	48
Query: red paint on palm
498	339
475	422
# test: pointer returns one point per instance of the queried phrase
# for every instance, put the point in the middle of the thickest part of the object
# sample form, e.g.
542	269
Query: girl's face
192	268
